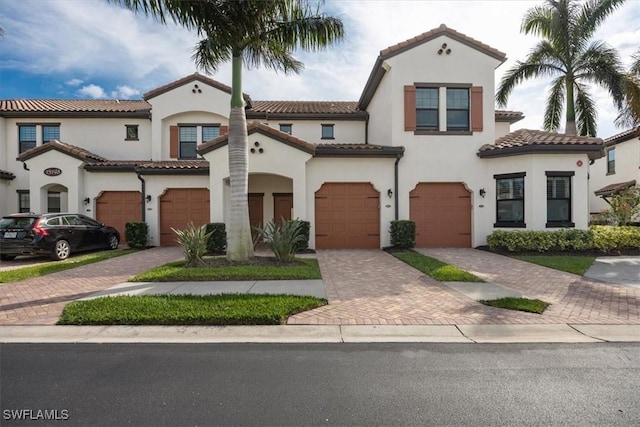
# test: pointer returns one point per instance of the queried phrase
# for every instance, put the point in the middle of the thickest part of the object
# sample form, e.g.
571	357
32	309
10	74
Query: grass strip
55	266
519	304
571	264
175	272
434	268
225	309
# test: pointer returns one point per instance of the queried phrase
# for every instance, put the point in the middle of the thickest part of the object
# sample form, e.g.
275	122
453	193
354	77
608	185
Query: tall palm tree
247	33
567	54
630	113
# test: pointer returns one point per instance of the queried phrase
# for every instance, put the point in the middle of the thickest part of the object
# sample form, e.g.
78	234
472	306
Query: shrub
303	244
609	238
403	234
217	241
282	239
136	234
193	242
625	205
574	240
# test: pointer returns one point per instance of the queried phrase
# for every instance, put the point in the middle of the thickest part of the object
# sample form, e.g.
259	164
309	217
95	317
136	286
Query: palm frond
518	73
592	14
600	64
586	112
555	105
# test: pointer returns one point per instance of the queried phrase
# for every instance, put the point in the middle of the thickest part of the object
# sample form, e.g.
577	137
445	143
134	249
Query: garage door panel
442	213
178	208
116	208
347	216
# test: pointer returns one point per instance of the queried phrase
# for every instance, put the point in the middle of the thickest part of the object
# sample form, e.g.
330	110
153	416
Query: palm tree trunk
570	128
239	243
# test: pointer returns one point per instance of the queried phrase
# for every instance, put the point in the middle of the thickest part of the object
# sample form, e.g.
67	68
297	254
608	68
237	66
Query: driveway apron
373	287
39	301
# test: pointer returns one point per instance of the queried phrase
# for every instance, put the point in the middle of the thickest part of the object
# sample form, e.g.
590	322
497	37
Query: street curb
547	333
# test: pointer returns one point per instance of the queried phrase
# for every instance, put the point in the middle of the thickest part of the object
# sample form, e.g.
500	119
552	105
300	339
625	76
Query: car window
73	220
9	222
54	221
88	221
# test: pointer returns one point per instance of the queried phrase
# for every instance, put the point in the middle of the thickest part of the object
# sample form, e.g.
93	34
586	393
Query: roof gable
188	79
70	150
625	136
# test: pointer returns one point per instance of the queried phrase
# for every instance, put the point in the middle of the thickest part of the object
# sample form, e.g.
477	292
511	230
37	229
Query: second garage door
116	208
347	216
442	213
179	207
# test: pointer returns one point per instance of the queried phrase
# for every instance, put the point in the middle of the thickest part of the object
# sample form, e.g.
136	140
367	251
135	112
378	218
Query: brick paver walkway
372	287
39	301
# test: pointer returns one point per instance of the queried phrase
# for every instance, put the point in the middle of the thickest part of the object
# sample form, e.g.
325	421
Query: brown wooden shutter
224	130
409	108
476	109
173	142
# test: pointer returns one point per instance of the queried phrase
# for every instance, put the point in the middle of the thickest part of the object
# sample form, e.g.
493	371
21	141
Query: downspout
144	196
395	184
366	130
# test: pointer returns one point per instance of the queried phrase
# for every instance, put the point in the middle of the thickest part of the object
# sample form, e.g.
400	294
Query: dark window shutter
173	142
224	130
409	108
476	109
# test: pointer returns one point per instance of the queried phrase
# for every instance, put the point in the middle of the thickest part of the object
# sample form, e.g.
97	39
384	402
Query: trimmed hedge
136	234
403	234
602	237
217	242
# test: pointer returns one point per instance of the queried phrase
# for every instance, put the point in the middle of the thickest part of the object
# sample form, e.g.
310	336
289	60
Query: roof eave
593	151
84	114
358	115
388	152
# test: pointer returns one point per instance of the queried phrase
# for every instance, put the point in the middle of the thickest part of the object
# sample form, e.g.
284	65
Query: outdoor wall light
148	198
390	193
87	200
482	192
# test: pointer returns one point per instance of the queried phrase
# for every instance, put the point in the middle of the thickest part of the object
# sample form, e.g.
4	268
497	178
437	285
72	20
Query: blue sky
83	49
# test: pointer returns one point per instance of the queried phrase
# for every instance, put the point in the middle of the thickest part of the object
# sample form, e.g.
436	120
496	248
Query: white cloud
74	82
125	92
92	91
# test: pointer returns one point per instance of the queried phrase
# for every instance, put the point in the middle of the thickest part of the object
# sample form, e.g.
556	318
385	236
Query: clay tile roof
309	107
188	79
623	136
363	150
265	130
508	116
525	141
174	164
6	175
10	107
150	167
71	150
442	30
612	189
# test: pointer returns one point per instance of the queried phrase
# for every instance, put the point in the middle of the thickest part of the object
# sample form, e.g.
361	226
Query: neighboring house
618	170
424	142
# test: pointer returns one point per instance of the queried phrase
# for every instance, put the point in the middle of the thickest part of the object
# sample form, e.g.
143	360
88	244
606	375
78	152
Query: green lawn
226	309
434	268
571	264
520	304
305	268
55	266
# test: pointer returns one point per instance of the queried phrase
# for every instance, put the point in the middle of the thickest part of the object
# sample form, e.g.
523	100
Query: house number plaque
52	171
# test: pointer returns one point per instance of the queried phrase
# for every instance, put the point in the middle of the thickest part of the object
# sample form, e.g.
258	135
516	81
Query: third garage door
179	207
442	213
347	216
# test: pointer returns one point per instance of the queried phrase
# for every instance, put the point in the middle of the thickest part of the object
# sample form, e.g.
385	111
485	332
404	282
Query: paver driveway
372	287
39	301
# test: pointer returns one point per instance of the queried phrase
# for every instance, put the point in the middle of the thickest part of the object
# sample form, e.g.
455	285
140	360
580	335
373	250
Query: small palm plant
193	241
283	238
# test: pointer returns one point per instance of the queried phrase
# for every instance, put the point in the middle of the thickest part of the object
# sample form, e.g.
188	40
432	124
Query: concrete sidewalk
557	333
623	270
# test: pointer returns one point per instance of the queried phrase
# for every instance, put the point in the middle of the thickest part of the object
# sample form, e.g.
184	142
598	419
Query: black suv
55	234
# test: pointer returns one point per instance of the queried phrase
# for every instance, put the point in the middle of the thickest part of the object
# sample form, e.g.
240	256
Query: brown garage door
347	216
442	213
116	208
179	207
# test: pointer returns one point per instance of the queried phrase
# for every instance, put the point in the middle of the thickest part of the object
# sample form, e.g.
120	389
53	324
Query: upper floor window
559	199
188	142
457	109
327	131
510	200
286	128
210	132
50	132
611	161
131	133
26	137
427	108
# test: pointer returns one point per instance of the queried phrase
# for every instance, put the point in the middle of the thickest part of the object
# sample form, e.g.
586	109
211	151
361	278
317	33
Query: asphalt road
320	384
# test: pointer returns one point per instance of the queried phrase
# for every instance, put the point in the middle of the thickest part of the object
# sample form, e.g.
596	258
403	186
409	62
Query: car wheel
61	250
113	242
7	257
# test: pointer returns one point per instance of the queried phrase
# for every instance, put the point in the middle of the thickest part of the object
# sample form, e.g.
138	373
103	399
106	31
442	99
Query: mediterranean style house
424	142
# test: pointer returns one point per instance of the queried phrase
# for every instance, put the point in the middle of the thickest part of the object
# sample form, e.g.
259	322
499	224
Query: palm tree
249	33
566	54
630	113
